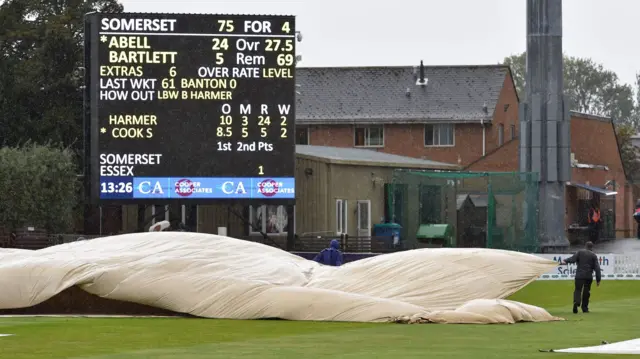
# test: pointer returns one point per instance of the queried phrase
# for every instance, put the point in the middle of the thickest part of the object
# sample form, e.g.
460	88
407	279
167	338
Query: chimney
422	80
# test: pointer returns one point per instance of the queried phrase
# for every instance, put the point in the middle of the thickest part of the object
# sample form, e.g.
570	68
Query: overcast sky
451	32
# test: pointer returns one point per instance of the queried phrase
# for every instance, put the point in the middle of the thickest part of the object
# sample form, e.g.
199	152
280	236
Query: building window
302	135
364	218
369	136
269	219
341	216
500	134
441	134
513	132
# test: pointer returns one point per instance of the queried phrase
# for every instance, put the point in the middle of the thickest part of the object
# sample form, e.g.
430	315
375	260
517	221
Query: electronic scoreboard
190	107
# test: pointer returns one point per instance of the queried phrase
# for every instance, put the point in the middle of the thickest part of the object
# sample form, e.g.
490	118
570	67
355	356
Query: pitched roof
478	200
460	199
334	95
366	157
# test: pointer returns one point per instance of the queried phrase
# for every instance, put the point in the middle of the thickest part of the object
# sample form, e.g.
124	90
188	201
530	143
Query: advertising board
568	271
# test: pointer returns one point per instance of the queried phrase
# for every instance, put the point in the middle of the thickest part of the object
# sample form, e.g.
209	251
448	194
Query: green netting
486	209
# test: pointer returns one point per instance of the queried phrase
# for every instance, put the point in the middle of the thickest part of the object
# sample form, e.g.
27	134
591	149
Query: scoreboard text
190	107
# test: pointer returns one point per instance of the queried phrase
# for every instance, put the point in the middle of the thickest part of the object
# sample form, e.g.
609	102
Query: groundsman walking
587	263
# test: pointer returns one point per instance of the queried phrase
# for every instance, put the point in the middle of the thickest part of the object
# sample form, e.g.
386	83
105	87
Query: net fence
485	209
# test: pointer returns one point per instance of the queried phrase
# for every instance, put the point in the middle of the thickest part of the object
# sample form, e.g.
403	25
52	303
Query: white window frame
370	225
367	136
342	216
197	219
308	133
437	125
263	224
513	131
500	134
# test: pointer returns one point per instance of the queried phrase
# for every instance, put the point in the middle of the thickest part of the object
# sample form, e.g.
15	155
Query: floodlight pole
545	143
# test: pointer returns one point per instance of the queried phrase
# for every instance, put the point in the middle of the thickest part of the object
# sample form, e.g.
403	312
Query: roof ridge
337	154
588	116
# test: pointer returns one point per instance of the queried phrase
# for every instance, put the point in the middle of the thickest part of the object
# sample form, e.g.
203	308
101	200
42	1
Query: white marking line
5	335
190	34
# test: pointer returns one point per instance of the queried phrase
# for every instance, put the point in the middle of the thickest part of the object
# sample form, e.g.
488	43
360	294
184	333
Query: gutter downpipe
484	138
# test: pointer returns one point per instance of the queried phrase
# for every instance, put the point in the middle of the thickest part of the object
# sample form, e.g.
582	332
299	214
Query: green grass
615	317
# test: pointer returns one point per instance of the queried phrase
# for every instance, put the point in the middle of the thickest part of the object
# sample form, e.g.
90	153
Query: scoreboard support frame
90	207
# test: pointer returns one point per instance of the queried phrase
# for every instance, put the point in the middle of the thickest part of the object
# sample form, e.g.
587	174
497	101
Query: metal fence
376	244
39	240
485	209
381	244
627	263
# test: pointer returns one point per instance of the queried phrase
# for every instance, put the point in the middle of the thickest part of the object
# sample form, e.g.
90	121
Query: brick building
596	168
456	114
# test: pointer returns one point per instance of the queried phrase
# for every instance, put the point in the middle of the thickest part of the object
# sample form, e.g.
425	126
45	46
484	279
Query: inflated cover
221	277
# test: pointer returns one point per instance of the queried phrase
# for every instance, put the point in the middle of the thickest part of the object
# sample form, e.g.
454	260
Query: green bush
38	187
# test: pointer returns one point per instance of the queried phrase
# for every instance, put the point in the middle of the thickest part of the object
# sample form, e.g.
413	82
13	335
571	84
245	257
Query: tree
634	120
39	187
41	44
517	63
595	90
628	152
590	87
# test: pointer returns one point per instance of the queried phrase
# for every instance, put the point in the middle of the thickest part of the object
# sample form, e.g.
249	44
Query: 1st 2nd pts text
245	147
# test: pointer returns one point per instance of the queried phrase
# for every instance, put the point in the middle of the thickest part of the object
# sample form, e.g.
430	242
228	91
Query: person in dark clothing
587	263
636	216
594	221
330	256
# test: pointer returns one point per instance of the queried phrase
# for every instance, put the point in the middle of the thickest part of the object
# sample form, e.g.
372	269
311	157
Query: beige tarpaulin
221	277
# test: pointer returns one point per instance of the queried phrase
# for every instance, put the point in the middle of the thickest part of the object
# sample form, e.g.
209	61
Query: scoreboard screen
190	107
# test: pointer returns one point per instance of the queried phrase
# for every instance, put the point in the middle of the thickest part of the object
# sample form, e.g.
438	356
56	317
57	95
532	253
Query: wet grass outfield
615	316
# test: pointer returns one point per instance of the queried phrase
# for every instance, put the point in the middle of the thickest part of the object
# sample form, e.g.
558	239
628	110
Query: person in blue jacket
330	256
636	216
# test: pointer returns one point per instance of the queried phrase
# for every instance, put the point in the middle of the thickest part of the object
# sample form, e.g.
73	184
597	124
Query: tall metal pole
545	143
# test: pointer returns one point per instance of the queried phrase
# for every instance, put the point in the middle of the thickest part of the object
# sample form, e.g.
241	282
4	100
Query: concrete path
616	246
